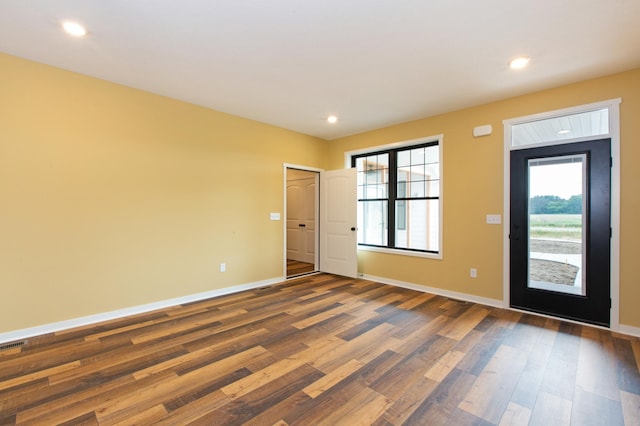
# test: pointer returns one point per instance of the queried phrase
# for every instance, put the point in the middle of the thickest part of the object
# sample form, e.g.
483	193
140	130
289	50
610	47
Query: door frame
316	256
613	105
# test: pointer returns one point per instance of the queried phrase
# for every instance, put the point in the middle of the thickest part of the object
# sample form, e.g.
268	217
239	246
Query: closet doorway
302	195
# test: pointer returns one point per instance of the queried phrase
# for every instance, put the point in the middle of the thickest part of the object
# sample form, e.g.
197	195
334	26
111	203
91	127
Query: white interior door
338	218
301	215
309	203
294	218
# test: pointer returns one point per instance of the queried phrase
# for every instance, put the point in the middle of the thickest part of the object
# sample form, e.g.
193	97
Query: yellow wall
112	197
473	188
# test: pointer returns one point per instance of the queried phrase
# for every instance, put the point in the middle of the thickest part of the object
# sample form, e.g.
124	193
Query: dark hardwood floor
325	350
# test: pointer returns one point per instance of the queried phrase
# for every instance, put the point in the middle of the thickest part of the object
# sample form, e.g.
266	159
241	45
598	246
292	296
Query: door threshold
560	318
303	274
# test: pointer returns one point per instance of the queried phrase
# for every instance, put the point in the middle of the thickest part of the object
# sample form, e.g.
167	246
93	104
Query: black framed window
401	187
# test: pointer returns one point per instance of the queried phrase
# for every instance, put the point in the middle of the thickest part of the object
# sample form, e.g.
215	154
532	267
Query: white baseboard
622	329
627	329
440	292
25	333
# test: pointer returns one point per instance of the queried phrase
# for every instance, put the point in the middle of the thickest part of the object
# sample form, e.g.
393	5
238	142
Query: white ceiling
291	63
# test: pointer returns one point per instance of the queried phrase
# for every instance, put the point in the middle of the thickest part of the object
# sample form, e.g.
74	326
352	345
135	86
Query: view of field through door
301	221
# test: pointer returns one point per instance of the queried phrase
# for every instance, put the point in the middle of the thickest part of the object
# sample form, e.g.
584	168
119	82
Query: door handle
302	225
353	228
515	233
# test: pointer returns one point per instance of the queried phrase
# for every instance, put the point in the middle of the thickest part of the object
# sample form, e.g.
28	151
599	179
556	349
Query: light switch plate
274	216
494	219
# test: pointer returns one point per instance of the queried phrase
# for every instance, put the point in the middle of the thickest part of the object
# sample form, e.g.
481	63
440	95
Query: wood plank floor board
402	376
324	349
49	397
415	301
561	370
528	386
82	332
124	405
363	408
515	415
374	369
146	417
630	408
417	338
539	353
399	317
333	378
411	325
551	410
271	416
479	355
312	411
590	407
464	322
193	412
210	387
324	314
409	401
361	328
487	322
33	362
596	369
444	365
431	308
91	400
91	419
443	401
628	373
365	347
265	399
491	392
431	354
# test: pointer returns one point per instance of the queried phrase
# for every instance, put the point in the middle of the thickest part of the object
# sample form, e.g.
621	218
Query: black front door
560	230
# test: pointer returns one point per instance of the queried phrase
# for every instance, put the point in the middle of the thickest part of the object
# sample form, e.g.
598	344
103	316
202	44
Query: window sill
437	256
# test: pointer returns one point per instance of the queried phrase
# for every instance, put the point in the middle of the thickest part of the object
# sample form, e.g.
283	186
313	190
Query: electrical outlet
473	273
223	267
494	219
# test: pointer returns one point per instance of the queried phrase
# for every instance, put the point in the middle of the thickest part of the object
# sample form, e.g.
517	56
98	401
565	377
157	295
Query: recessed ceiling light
74	29
564	131
519	63
332	119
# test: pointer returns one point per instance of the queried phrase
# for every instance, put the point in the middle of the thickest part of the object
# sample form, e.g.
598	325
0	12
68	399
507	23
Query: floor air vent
12	345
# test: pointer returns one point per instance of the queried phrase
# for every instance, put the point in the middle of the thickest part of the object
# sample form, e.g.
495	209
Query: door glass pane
556	223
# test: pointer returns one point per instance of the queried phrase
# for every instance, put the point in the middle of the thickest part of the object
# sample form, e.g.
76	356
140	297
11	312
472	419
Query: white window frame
403	144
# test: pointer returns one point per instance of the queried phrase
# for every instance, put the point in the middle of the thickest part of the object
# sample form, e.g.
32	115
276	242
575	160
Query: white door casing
338	218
